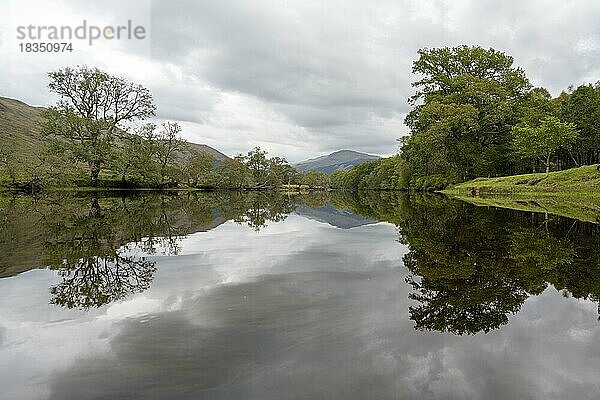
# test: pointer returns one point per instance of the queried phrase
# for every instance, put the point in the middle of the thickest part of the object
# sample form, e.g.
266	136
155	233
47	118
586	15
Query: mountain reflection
468	268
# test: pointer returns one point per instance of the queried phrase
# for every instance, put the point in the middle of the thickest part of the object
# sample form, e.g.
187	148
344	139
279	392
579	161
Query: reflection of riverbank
299	307
471	267
34	229
581	208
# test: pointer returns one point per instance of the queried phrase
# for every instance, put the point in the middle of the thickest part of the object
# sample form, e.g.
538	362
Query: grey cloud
328	66
316	68
332	69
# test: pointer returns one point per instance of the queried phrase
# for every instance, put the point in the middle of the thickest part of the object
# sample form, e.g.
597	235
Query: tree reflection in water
470	268
96	281
100	249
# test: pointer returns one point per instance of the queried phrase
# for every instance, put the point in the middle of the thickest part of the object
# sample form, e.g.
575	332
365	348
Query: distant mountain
342	159
20	124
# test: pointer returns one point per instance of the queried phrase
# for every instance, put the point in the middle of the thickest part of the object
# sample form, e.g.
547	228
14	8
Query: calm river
269	296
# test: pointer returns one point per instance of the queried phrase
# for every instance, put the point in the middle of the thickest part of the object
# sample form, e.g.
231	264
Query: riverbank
284	189
581	182
573	193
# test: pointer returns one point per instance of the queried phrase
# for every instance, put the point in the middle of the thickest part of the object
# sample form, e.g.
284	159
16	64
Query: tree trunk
94	172
95	209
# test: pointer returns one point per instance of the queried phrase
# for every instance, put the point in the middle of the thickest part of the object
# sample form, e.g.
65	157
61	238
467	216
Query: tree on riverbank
93	124
316	180
463	109
93	111
545	140
581	107
475	114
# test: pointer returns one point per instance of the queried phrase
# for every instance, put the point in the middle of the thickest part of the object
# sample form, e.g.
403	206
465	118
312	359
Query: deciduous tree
543	141
94	108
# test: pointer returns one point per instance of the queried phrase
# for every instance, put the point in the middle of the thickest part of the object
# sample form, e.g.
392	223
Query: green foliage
157	157
281	173
268	172
582	108
543	141
198	170
469	98
316	180
93	110
149	157
536	106
384	174
257	163
233	174
431	182
447	70
167	143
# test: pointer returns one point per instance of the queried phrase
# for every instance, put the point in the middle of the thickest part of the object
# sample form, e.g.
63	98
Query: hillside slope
216	154
20	126
343	219
342	159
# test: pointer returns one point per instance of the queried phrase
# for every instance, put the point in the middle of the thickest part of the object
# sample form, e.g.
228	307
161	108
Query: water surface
265	296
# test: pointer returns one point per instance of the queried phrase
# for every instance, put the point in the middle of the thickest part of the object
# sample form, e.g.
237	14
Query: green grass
573	193
582	182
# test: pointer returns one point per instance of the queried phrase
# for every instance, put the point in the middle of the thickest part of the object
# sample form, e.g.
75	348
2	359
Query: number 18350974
36	47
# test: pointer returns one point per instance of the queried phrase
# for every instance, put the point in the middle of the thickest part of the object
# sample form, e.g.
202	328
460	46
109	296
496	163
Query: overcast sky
298	78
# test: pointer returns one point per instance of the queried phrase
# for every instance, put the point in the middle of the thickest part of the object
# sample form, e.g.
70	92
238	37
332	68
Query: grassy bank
582	182
573	193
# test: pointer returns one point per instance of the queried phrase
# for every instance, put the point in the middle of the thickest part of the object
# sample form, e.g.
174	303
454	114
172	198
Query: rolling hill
216	154
342	159
20	126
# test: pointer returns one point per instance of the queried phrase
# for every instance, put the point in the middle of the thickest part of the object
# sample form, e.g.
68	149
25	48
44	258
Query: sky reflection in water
316	304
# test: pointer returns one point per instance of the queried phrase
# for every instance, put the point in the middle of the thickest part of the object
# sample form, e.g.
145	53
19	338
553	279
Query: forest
475	114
